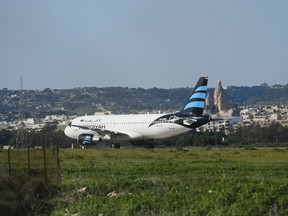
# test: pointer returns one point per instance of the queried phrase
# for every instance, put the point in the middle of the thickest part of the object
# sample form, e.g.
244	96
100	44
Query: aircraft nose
68	131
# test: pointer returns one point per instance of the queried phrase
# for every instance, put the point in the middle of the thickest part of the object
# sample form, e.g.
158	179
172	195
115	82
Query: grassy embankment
192	181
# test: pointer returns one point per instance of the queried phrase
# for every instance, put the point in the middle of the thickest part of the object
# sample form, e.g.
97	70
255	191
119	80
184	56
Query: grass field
183	181
192	181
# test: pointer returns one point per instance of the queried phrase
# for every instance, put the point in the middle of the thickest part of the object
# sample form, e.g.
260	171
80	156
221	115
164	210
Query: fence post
28	155
9	162
45	158
58	166
45	168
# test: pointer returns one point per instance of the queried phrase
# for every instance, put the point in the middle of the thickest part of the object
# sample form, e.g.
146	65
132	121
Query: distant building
264	84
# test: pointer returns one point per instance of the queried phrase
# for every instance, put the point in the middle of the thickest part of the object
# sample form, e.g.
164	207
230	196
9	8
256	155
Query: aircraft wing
232	119
218	119
226	118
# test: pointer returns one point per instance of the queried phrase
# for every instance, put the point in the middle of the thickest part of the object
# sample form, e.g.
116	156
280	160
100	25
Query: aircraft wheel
149	145
117	145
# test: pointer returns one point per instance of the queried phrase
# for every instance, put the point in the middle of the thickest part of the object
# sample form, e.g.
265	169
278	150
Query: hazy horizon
210	85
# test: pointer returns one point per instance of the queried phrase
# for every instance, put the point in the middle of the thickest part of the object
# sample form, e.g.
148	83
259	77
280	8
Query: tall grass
181	181
190	181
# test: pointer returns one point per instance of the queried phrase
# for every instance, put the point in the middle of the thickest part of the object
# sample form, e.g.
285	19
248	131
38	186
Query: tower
20	125
21	102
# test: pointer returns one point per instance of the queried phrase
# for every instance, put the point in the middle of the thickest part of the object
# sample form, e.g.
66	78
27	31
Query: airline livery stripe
201	88
198	95
195	104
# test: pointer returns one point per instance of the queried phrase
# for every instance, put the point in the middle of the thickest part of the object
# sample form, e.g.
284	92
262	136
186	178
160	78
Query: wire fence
40	161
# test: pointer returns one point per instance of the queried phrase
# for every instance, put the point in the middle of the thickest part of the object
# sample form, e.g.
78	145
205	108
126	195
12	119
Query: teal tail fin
196	102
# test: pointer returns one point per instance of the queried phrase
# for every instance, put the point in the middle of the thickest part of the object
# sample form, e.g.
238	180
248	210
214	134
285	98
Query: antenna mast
21	102
20	134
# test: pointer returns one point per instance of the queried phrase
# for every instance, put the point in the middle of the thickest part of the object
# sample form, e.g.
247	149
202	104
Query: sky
62	44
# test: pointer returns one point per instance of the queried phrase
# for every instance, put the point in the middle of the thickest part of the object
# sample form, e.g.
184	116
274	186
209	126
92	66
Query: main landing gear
115	145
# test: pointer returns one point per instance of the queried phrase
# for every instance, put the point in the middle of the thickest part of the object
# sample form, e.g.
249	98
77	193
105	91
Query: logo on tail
191	116
196	102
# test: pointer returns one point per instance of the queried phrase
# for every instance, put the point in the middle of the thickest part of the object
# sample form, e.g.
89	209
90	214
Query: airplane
91	129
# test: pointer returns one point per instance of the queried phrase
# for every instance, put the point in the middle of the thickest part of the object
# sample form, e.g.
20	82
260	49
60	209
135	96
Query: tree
7	137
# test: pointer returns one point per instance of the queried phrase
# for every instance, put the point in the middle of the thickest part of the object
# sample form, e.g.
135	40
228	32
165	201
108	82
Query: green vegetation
27	191
173	181
273	135
192	181
245	136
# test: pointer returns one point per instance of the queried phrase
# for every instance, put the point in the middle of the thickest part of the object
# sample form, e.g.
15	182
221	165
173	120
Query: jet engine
88	139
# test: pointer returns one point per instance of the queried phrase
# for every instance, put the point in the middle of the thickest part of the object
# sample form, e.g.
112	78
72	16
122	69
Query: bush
21	195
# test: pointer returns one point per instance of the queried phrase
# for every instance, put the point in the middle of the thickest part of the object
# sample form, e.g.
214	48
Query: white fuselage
124	127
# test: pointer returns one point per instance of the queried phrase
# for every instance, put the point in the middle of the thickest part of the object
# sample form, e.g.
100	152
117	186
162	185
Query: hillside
77	101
